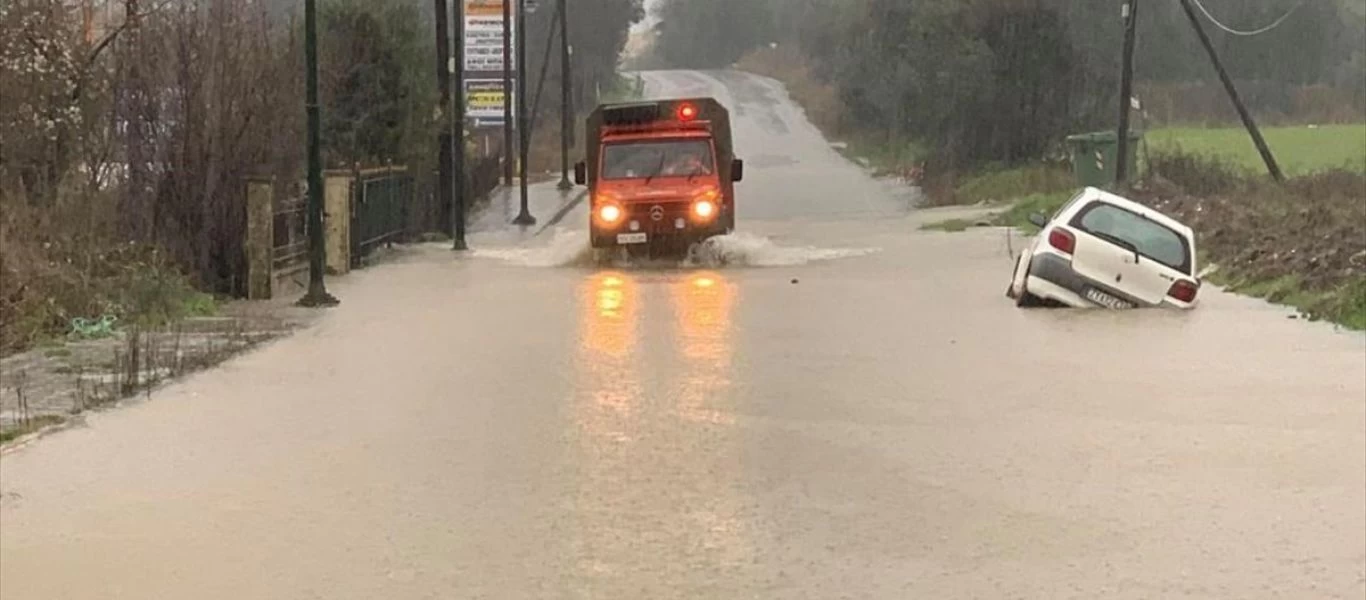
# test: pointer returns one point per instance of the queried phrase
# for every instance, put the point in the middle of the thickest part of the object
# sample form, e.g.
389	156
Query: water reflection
609	338
702	307
717	519
658	478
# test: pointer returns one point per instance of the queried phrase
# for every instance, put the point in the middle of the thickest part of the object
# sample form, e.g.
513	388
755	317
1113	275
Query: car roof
1098	194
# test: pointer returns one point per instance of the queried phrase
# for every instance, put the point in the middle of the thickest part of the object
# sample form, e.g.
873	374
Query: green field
1298	149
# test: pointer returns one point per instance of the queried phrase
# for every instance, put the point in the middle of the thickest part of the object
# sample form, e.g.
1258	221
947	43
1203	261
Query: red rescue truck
661	175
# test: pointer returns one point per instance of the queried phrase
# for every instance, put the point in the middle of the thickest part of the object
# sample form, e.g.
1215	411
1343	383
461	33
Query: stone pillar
337	221
260	243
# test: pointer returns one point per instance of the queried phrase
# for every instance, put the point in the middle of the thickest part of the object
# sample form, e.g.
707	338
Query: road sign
484	62
484	102
484	36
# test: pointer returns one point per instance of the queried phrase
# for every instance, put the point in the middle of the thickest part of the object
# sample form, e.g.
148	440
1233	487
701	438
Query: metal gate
379	209
289	233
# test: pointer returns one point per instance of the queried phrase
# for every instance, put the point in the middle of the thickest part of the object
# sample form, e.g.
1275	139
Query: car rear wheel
1010	287
1024	299
1028	300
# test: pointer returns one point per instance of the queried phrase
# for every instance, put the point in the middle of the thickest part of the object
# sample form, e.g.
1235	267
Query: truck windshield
681	158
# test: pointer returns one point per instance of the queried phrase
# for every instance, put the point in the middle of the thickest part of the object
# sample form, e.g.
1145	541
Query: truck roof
618	133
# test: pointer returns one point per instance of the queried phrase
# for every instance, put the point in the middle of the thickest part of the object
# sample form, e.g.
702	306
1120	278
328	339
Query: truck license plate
630	238
1106	300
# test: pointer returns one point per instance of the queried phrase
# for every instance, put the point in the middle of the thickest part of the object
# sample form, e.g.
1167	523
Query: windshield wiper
658	168
1118	241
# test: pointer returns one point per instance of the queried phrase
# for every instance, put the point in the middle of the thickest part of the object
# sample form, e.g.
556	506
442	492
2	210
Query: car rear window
1152	239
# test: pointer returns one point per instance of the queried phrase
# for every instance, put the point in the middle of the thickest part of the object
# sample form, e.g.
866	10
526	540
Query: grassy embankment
1300	151
1302	244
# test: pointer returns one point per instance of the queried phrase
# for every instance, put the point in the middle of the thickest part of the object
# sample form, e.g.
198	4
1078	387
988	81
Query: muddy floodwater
832	404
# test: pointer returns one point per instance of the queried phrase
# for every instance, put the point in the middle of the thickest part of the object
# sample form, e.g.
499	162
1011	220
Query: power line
1253	32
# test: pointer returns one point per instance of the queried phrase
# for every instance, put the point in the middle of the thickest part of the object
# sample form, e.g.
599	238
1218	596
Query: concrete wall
337	221
260	243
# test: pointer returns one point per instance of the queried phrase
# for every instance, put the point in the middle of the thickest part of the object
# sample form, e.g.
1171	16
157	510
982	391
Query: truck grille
659	216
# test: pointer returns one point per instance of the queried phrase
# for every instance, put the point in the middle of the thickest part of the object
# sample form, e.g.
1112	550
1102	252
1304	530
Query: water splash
569	248
750	250
566	248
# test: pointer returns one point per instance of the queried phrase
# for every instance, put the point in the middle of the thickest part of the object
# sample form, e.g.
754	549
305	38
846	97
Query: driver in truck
688	162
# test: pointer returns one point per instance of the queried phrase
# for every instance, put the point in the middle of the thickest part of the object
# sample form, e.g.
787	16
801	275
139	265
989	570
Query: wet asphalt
845	407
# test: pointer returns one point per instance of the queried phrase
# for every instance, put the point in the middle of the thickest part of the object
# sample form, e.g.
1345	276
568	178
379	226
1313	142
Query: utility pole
317	295
508	148
566	111
461	185
445	179
131	98
1126	90
1262	148
524	217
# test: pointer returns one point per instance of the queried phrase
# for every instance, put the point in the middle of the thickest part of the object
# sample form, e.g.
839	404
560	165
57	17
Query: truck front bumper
655	226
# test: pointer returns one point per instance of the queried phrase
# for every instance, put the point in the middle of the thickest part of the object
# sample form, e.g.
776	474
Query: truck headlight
704	209
609	213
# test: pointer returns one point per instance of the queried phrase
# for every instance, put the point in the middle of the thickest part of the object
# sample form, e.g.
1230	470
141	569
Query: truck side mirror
580	173
737	170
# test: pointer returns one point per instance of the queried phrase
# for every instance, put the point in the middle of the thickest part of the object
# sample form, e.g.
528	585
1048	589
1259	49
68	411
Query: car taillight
1184	291
1063	240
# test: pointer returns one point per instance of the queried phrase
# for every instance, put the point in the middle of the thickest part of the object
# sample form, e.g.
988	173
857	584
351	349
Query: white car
1102	250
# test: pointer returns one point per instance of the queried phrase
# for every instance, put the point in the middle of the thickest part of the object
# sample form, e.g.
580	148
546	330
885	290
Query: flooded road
845	407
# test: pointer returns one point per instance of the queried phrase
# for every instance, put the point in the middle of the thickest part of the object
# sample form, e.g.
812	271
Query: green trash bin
1095	154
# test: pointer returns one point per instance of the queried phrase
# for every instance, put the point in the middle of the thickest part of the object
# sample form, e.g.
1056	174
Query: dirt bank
1313	228
1302	243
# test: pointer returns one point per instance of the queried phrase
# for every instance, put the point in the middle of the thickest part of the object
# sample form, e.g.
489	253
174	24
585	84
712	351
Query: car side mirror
737	170
580	173
1038	220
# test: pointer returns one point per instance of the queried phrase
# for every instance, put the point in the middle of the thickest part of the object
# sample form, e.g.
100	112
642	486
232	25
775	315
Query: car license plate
1106	300
631	238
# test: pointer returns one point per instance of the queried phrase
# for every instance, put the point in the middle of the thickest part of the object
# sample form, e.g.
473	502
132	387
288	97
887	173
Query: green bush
1008	184
1018	214
1199	174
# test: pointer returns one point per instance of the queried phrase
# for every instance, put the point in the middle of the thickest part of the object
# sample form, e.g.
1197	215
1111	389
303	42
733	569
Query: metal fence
433	214
482	177
379	209
381	202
